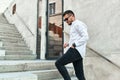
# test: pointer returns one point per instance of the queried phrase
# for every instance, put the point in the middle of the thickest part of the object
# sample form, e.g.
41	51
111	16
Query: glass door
54	40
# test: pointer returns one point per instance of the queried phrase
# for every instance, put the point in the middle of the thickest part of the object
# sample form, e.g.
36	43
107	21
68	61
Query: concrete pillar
43	29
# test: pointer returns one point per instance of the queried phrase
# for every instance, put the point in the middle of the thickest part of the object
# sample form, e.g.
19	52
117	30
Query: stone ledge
18	76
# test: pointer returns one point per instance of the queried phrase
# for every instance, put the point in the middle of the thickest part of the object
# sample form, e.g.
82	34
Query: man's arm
82	30
65	45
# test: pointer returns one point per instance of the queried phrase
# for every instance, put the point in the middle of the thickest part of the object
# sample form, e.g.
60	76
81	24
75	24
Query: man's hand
72	47
65	45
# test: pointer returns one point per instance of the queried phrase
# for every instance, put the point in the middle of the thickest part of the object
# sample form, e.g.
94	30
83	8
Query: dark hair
68	12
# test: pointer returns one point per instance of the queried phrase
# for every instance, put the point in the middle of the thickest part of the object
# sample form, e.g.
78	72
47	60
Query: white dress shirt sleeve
83	35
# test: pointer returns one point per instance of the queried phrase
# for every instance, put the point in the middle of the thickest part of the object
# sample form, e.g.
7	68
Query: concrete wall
102	18
4	4
25	20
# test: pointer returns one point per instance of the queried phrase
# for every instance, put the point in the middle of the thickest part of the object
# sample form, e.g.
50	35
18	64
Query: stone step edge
11	37
13	47
11	62
16	76
42	74
72	77
11	43
18	57
51	74
25	65
8	25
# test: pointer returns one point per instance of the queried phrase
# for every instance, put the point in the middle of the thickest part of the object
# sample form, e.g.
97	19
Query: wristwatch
74	45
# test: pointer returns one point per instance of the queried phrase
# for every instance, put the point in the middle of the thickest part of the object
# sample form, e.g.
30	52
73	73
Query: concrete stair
29	70
16	63
15	44
96	68
54	36
12	44
72	78
55	45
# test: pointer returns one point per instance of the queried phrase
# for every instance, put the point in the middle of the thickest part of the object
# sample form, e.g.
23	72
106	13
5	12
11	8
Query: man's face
68	19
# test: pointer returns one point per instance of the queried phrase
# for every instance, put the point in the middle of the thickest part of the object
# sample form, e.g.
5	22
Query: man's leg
78	66
68	57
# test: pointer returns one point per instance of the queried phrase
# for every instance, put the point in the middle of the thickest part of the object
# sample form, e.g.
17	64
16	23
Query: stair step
53	42
72	78
20	57
50	74
32	75
51	33
55	47
10	38
7	25
16	52
54	50
53	36
14	48
18	76
10	35
58	39
14	44
25	65
9	30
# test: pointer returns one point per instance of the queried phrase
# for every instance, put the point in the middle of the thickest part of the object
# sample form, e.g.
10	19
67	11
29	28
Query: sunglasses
66	19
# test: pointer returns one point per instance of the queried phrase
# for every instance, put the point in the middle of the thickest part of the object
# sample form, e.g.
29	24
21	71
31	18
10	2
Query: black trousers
71	56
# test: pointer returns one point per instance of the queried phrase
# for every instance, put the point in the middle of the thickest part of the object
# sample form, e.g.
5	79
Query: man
77	47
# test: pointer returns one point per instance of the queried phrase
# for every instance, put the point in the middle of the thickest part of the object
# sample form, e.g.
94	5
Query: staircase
17	61
29	70
55	45
12	45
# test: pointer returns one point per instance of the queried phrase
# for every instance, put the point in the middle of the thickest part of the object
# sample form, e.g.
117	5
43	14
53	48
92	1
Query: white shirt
79	36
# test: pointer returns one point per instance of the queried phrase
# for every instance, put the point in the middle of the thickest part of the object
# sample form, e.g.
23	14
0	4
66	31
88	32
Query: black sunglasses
66	18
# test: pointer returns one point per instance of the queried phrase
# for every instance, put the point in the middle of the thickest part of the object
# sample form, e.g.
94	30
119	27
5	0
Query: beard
70	23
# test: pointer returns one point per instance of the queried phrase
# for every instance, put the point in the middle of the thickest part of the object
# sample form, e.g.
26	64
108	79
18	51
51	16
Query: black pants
71	56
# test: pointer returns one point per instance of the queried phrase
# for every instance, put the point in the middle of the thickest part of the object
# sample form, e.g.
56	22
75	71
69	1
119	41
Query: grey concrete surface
98	68
102	18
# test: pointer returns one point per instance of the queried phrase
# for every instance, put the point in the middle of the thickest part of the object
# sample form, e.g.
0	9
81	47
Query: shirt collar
73	22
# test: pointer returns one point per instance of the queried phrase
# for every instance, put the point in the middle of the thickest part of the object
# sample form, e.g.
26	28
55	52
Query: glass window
51	8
